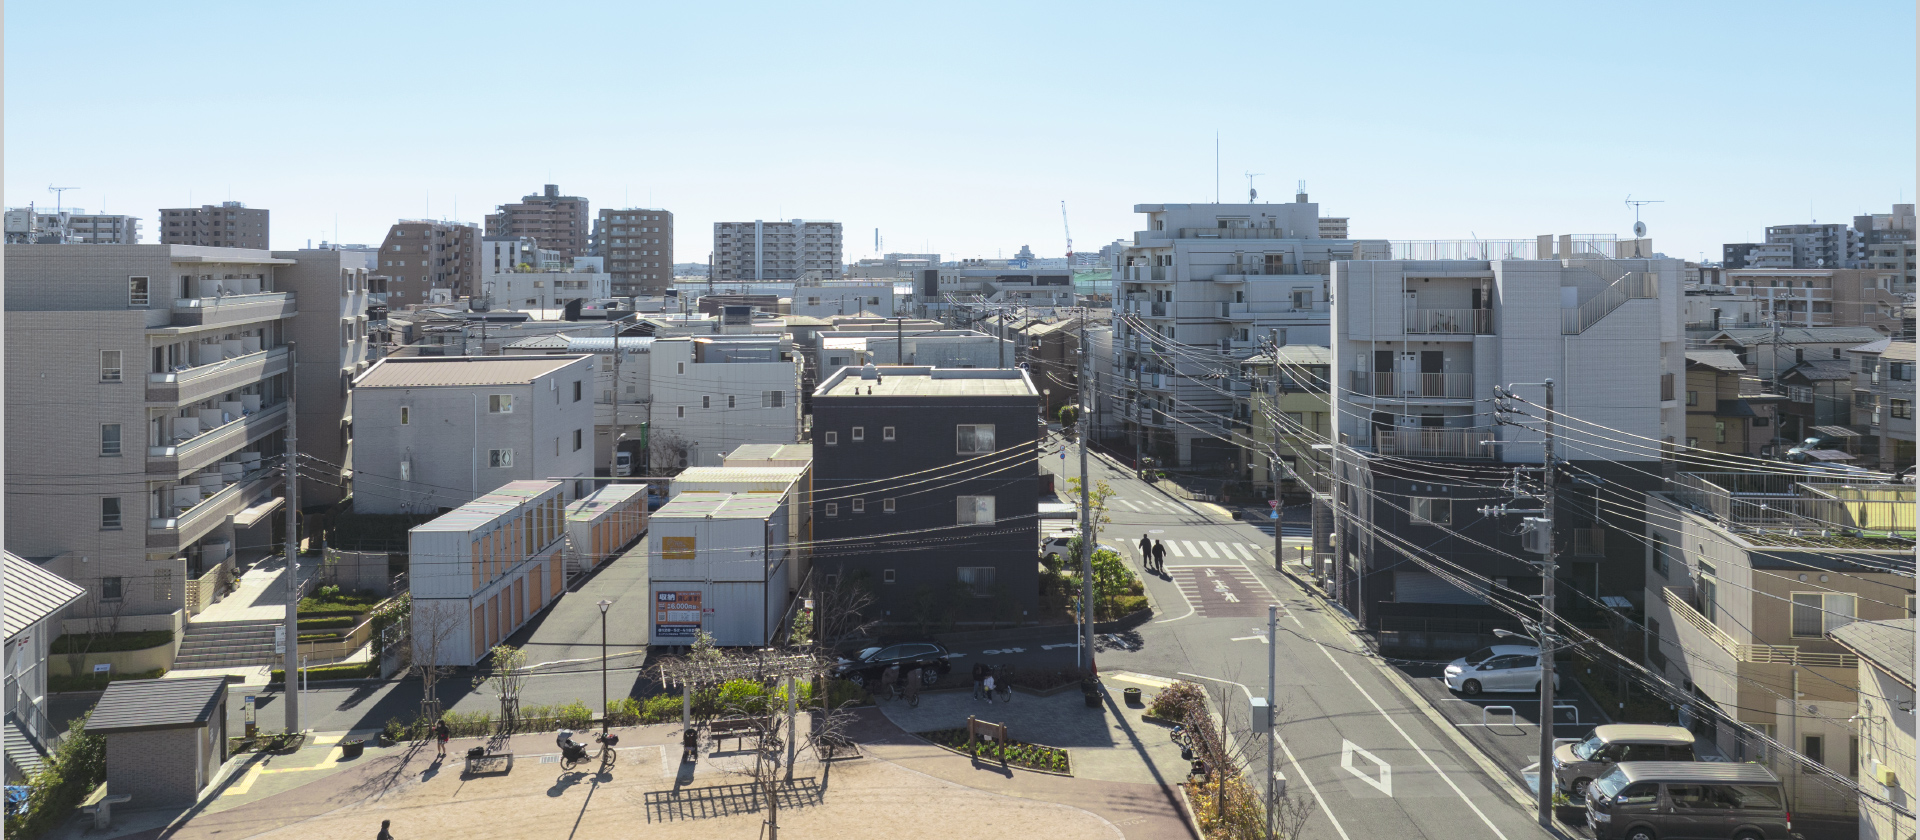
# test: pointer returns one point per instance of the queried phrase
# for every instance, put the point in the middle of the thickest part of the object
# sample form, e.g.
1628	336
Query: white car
1497	668
1060	542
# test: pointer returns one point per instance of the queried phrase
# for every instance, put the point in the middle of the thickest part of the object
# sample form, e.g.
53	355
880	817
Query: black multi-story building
926	485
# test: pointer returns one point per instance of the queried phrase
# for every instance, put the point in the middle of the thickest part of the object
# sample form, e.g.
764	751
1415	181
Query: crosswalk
1213	552
1150	506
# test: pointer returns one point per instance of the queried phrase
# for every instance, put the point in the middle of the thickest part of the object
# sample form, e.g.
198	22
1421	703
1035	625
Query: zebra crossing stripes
1202	550
1151	506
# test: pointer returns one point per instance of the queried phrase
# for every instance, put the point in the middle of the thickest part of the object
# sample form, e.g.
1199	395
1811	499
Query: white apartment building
27	225
438	432
538	288
774	251
713	394
1209	280
151	381
827	301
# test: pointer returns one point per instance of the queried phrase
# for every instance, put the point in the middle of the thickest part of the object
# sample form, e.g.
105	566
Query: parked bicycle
1003	683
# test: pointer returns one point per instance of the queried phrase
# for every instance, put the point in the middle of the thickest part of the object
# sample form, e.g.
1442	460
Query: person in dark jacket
384	834
1159	556
1146	552
979	679
441	732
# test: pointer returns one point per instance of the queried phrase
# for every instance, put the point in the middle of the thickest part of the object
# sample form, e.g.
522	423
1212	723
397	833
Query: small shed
165	738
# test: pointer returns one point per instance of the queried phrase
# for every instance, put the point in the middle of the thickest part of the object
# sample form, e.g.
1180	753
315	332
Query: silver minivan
1578	763
1688	800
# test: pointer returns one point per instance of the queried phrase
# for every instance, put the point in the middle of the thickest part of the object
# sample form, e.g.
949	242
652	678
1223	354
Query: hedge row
76	768
98	682
350	671
110	642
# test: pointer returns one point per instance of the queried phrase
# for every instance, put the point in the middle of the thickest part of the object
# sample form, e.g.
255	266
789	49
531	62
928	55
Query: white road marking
1077	644
1135	507
1251	558
1261	639
1208	548
1297	769
1189	549
1348	750
1142	679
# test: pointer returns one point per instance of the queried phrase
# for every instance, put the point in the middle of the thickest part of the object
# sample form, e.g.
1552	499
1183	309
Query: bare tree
509	675
431	626
667	451
1235	753
771	719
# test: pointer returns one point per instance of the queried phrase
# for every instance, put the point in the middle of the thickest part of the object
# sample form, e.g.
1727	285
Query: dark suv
866	666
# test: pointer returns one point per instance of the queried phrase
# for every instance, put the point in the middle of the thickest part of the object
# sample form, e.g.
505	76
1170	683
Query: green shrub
574	715
98	682
76	768
623	711
111	642
468	724
348	671
342	622
660	708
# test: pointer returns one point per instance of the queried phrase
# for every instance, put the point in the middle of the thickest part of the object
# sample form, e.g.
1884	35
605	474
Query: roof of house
1888	645
1717	359
1296	354
444	371
1898	351
604	343
1872	347
1820	370
133	705
1733	408
751	452
1747	336
32	594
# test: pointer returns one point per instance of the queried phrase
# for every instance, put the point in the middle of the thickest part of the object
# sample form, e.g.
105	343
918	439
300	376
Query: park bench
479	761
736	728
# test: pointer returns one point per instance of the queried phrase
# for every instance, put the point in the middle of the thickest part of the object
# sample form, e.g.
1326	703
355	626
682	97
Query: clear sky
961	127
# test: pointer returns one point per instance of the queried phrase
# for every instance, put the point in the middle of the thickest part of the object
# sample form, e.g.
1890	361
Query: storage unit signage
676	614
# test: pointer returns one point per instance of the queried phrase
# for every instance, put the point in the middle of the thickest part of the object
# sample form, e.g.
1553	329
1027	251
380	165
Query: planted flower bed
1017	753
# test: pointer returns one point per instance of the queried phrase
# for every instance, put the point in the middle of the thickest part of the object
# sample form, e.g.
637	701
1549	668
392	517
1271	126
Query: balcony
232	309
189	526
1397	385
194	384
1142	274
1449	321
1589	542
210	445
1680	604
1434	443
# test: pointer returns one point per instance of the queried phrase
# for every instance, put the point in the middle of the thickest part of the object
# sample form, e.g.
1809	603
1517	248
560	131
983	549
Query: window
773	399
706	401
499	457
977	578
886	506
109	366
1693	398
1814	747
1302	298
886	433
110	438
576	390
859	433
577	435
833	509
833	438
729	400
859	505
1815	613
1432	511
886	576
1719	431
137	292
110	513
1901	409
973	510
679	411
1661	560
680	368
974	440
500	404
406	415
163	585
112	588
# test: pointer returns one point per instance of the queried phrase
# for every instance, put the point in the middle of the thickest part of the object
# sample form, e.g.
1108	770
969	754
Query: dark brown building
422	254
229	225
558	222
637	245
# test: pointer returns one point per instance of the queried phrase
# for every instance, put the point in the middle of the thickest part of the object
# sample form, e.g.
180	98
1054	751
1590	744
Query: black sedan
866	666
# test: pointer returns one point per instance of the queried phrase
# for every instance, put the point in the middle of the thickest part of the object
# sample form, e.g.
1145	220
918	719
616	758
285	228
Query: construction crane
57	191
1069	230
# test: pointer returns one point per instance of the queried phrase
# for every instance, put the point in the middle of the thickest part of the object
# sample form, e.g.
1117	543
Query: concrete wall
166	766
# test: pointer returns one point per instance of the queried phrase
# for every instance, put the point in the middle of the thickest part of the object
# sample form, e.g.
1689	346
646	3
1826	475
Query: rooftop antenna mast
1252	194
1639	227
57	191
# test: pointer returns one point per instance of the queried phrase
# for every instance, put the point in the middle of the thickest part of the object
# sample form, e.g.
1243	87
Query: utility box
1262	714
1536	534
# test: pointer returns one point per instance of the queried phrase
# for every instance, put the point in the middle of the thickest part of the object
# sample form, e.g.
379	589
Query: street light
604	711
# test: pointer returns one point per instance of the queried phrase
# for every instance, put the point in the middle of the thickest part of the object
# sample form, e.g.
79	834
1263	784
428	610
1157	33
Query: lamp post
604	711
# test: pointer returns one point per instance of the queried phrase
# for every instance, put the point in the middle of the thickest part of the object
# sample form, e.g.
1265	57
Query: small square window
111	588
109	366
886	433
886	576
499	403
110	513
706	401
886	506
110	439
859	433
832	438
833	509
499	457
859	505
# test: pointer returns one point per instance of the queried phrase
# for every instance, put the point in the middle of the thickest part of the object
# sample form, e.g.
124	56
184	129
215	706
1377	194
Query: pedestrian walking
913	687
1146	552
384	833
988	685
441	732
1159	556
979	679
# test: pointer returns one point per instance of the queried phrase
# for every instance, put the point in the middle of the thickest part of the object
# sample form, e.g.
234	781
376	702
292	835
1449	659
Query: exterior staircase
226	644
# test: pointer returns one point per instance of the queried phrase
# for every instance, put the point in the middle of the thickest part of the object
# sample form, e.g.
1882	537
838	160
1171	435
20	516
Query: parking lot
1506	725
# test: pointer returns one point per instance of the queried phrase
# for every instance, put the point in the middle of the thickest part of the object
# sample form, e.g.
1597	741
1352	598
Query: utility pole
899	341
1273	648
290	689
1547	575
1086	511
613	454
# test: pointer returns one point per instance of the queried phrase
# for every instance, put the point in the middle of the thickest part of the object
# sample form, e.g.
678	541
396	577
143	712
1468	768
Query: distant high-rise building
229	224
557	222
638	247
422	254
1820	246
779	251
72	226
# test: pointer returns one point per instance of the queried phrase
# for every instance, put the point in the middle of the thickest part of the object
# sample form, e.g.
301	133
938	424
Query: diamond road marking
1384	784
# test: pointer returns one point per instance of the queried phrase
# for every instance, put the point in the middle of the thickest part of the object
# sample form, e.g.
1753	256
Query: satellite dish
1639	230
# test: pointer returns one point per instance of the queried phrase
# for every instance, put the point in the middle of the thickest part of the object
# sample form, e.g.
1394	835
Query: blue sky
961	127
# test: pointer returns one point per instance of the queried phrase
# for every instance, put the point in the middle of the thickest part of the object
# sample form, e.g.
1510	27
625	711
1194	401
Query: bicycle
1003	683
608	755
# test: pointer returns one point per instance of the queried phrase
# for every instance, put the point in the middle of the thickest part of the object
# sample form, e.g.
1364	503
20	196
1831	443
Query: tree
1232	803
432	626
1111	579
667	450
1069	421
1097	497
509	676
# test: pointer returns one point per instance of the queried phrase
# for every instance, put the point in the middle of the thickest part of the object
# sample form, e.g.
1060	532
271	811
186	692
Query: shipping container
605	521
791	482
718	562
479	571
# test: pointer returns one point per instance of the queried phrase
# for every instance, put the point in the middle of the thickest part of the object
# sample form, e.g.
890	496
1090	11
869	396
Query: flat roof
480	511
921	381
712	504
594	504
741	474
771	452
134	705
454	371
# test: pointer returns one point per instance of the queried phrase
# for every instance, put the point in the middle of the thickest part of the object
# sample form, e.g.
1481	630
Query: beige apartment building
778	251
231	224
147	390
558	222
1823	297
637	244
420	255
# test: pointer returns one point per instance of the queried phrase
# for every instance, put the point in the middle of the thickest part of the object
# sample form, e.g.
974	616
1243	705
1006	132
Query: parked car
1497	668
1577	764
1656	800
1060	542
623	464
866	666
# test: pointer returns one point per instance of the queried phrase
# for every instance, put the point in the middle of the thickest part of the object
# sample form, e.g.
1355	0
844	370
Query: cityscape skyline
1100	139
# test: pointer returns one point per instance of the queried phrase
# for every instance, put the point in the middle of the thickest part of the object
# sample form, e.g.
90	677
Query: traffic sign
1273	503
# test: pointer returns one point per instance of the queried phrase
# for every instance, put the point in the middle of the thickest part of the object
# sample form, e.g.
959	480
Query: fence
204	590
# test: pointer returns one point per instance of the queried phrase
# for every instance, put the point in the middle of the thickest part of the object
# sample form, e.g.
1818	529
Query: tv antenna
1639	227
57	191
1252	193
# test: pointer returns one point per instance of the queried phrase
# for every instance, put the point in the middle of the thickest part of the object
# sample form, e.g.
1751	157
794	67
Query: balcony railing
1142	274
1589	542
182	529
1780	502
1449	321
211	444
1448	386
1434	443
191	385
232	309
1683	610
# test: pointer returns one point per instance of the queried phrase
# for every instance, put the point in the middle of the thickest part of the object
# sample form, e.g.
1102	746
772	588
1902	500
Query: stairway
226	644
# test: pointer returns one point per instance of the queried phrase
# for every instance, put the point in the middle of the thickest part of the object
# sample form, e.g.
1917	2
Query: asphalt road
1367	755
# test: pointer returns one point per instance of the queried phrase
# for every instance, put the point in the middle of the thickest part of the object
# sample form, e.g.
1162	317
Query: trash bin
352	749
